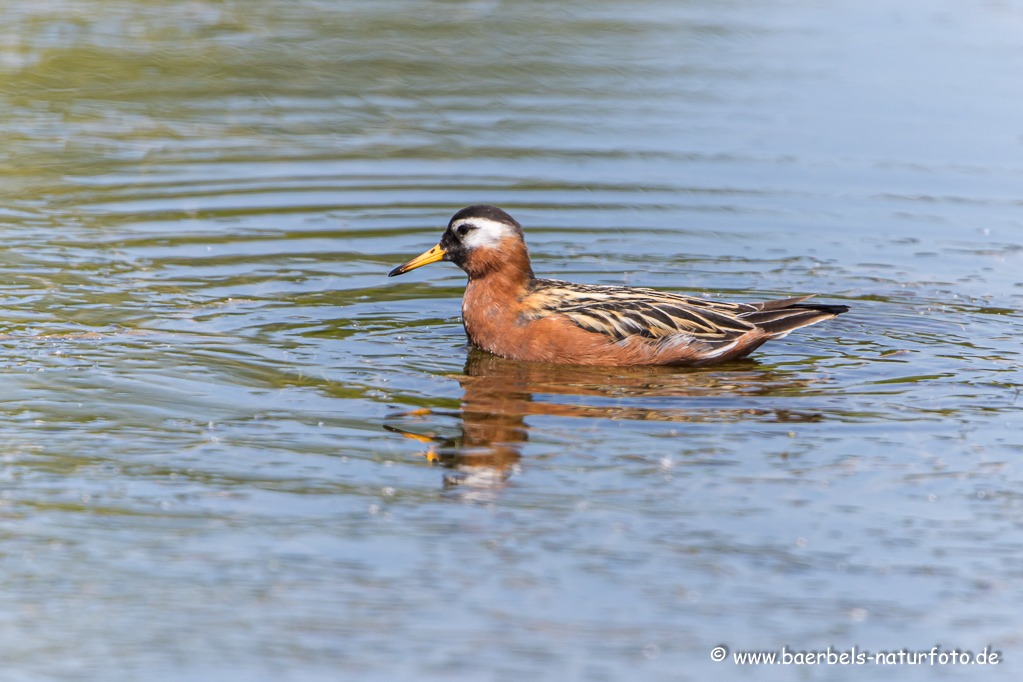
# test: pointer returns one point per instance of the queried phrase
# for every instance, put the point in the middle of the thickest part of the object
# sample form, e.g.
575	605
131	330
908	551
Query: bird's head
479	239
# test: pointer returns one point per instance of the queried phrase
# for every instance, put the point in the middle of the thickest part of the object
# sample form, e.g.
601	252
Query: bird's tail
780	317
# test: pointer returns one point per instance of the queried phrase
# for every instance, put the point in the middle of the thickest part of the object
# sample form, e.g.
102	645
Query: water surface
236	450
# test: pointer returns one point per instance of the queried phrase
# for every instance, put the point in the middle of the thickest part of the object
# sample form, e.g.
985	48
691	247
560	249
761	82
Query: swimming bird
509	312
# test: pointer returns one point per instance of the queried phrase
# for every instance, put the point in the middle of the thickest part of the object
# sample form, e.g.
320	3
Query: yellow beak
432	256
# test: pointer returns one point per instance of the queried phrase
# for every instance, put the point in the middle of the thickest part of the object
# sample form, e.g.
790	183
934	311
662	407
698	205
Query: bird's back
665	319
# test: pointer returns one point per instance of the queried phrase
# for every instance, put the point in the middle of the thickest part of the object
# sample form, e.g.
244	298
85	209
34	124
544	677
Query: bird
508	311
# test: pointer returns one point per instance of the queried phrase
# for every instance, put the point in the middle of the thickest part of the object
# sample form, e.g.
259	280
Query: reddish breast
494	316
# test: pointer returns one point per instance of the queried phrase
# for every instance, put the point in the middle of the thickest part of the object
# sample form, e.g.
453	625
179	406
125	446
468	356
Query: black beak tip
395	272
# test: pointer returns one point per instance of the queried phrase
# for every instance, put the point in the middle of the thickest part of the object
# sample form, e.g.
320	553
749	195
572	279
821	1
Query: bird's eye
464	229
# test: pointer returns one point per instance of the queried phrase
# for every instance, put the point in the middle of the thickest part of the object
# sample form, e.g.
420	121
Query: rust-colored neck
498	280
510	260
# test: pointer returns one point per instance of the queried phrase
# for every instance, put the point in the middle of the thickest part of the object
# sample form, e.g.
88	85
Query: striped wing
621	312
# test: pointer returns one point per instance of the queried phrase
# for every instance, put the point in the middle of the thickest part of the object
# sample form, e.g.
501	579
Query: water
211	389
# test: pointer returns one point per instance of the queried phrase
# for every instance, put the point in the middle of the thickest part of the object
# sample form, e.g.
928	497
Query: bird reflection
500	394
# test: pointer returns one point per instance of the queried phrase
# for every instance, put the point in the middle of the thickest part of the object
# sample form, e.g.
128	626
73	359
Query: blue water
207	373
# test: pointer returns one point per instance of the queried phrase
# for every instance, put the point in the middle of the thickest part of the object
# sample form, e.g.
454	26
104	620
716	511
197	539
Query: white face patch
489	233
